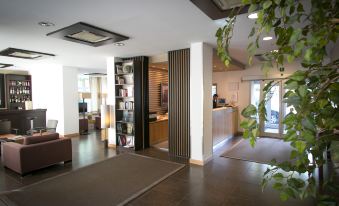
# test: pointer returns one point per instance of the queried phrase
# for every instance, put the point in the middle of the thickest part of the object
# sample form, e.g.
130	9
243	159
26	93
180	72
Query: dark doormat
115	181
264	151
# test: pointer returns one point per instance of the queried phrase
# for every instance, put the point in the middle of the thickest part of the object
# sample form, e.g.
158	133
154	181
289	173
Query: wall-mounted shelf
18	91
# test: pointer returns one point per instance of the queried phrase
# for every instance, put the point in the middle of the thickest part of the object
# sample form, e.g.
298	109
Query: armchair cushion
38	139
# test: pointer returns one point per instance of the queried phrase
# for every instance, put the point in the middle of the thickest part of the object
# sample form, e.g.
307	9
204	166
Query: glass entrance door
274	108
272	127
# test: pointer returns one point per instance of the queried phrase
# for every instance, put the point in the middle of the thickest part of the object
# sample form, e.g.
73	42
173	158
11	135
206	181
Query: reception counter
19	119
225	123
158	131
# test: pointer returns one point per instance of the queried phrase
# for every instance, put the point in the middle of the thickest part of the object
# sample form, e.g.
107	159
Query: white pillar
70	101
111	99
201	103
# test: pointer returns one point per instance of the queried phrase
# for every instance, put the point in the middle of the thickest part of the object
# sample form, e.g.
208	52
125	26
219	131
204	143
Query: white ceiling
154	27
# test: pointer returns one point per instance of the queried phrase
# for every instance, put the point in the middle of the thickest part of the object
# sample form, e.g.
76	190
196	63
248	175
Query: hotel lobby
167	103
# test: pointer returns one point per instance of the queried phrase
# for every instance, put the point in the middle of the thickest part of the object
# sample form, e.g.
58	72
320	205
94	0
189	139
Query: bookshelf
124	94
131	103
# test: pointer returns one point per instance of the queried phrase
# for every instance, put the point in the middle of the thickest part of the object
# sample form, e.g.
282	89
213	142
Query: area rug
264	151
115	181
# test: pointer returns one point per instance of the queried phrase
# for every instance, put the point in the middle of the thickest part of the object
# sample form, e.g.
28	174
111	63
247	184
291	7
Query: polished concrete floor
222	181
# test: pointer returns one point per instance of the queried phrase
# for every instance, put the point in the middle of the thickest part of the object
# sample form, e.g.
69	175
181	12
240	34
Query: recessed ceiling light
87	34
2	65
267	38
253	16
46	24
24	54
119	44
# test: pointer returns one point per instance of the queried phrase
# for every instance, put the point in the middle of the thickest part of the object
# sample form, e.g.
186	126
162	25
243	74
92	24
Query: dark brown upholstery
38	139
27	158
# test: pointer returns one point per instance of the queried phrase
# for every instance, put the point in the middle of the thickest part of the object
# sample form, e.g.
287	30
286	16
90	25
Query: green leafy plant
302	33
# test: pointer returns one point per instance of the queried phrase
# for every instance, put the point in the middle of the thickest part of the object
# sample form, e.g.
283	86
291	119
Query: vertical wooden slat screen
179	101
145	99
156	76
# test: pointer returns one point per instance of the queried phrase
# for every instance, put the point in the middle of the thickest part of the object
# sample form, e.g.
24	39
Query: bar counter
225	123
19	119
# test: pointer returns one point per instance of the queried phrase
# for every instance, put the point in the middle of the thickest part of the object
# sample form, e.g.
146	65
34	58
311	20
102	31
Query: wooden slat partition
155	78
179	103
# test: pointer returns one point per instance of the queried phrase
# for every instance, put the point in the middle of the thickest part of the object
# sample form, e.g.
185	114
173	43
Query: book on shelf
126	141
128	116
126	92
126	105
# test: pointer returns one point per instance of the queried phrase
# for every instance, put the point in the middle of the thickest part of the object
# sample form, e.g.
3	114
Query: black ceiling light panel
87	34
2	65
24	54
219	9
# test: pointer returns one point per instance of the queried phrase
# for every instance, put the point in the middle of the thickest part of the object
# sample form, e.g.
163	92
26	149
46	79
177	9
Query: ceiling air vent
227	4
87	34
96	74
2	65
24	54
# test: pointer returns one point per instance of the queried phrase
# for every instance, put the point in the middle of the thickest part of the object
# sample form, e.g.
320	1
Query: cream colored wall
222	79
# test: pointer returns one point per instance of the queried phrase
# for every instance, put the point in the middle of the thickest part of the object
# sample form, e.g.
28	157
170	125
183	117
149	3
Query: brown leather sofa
36	152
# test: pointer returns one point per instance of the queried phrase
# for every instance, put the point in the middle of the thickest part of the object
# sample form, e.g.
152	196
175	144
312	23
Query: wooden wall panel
155	78
179	101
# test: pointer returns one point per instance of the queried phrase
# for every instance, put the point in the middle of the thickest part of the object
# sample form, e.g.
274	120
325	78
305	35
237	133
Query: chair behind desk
5	127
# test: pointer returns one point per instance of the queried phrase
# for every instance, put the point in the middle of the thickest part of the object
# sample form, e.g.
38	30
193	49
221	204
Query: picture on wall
164	95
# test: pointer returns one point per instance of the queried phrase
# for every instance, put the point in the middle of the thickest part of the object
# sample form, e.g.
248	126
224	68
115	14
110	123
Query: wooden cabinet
158	131
225	124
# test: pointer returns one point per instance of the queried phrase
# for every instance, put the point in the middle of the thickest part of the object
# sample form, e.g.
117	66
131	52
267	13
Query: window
214	89
83	83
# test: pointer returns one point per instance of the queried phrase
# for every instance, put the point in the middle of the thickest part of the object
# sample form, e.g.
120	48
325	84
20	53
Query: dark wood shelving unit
129	87
3	102
18	90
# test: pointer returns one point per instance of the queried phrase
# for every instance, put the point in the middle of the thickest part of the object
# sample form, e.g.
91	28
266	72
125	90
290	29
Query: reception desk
225	123
158	131
18	118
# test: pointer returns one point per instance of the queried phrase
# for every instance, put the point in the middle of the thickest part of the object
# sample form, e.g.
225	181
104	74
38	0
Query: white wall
201	103
222	79
47	91
70	100
55	88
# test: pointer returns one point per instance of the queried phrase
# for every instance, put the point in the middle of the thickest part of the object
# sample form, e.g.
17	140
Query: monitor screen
82	107
222	101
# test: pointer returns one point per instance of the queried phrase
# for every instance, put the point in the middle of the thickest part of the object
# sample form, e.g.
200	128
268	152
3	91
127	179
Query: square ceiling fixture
5	65
87	34
225	5
219	9
24	54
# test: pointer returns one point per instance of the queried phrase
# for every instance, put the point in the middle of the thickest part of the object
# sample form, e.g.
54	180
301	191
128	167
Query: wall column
201	103
111	99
